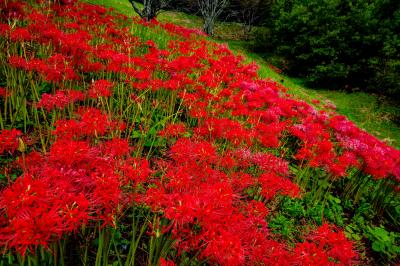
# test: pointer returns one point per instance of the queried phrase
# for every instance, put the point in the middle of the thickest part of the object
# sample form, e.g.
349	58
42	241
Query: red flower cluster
326	246
100	88
60	99
75	184
199	196
9	140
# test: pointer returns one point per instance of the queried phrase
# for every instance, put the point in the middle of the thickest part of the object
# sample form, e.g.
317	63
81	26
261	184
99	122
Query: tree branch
137	10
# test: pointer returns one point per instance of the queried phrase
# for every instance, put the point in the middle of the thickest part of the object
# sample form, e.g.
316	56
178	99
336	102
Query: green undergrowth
377	115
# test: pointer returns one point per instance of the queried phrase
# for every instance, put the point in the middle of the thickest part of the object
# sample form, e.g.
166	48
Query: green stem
116	251
100	248
61	245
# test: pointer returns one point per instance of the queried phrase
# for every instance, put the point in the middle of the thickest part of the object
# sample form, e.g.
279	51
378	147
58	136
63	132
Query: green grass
122	6
370	112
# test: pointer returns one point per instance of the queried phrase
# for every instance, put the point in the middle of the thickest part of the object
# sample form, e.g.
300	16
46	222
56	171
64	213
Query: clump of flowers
174	152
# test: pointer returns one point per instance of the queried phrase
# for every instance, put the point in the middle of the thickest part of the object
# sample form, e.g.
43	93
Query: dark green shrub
351	44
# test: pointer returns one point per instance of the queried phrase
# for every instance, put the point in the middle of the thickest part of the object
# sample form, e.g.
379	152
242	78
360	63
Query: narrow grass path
378	116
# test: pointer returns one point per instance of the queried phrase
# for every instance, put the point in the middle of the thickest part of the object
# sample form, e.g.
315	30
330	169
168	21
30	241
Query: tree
150	8
211	10
250	12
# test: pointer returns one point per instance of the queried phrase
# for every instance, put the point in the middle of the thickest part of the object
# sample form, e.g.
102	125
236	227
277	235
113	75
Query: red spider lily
116	147
20	35
379	160
4	29
100	88
164	262
58	70
173	130
230	242
205	211
272	184
18	62
74	184
3	92
9	140
187	151
91	123
135	170
240	181
311	254
271	164
49	102
269	135
225	129
12	10
324	243
38	213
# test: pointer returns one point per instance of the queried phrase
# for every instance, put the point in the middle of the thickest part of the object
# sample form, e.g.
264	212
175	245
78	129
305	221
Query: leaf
376	246
136	134
356	237
396	249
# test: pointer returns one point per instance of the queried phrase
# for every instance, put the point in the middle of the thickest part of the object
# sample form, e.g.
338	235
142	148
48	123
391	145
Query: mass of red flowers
111	120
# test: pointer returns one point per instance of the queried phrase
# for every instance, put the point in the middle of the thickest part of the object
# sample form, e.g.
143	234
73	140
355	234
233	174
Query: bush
340	44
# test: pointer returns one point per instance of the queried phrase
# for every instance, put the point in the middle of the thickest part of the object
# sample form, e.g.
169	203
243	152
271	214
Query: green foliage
383	241
346	44
284	226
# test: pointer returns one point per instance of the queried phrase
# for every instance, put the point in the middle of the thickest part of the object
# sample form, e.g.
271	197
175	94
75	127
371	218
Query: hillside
378	115
125	142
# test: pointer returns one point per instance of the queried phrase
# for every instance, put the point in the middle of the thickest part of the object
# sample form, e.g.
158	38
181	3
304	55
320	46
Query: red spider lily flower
49	102
12	10
173	130
226	129
240	181
270	163
376	157
164	262
58	70
20	35
37	65
269	135
100	88
3	92
9	140
4	29
272	184
106	197
75	96
88	66
116	147
327	242
234	253
309	253
69	152
91	123
136	171
18	62
187	151
315	101
35	211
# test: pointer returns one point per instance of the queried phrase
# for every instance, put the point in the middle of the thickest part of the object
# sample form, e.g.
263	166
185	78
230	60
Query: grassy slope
367	111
